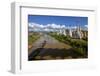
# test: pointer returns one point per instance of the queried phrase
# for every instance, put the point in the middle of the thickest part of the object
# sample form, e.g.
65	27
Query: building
76	33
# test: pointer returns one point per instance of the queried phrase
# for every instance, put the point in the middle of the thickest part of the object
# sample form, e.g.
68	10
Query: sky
58	20
54	23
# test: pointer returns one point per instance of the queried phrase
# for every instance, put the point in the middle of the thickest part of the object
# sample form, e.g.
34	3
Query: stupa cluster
74	33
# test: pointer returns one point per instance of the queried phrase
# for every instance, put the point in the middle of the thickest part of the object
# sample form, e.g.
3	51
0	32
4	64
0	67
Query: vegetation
85	38
80	46
32	37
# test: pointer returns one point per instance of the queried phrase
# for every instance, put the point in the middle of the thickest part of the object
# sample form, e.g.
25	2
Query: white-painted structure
74	33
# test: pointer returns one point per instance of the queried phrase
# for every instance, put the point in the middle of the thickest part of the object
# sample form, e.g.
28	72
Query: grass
79	45
32	37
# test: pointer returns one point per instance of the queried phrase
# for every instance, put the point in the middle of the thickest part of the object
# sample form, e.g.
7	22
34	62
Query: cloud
35	25
86	26
73	27
53	25
49	27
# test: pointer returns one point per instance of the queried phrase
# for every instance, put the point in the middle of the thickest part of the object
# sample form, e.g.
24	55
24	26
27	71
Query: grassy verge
32	37
80	46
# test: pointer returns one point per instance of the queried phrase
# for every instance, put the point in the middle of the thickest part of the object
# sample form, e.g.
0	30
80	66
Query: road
47	46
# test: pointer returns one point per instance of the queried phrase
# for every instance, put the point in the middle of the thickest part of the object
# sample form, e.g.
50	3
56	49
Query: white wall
5	33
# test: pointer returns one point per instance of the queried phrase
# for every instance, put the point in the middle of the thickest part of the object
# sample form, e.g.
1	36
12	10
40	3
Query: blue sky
59	20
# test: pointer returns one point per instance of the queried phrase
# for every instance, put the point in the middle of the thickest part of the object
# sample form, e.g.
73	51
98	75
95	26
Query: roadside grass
80	46
32	38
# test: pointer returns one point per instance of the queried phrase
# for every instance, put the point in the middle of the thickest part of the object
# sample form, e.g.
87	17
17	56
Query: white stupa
79	32
70	32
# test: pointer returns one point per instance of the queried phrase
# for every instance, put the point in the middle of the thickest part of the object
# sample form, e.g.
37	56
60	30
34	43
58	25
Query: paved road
37	44
49	46
50	42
